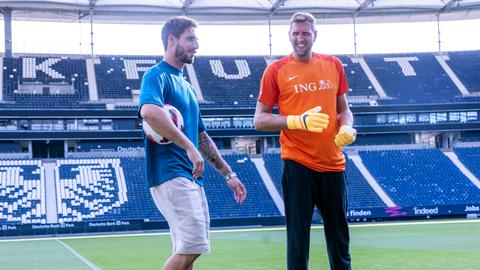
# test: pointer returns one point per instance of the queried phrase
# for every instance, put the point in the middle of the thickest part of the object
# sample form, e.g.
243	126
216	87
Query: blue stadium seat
360	193
228	81
98	189
466	66
420	177
53	82
274	166
22	192
415	78
220	198
103	189
470	157
357	80
117	76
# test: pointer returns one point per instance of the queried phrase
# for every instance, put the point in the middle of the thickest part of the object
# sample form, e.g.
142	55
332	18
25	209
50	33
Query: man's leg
333	206
180	262
184	205
298	200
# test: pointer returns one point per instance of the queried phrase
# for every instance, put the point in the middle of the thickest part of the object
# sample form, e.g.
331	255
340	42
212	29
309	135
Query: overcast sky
74	38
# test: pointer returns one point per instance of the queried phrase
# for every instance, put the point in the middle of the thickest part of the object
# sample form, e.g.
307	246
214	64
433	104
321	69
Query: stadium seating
22	192
220	197
113	187
228	81
357	80
466	66
141	205
274	166
470	157
105	189
50	82
360	194
117	76
412	78
420	177
231	81
102	189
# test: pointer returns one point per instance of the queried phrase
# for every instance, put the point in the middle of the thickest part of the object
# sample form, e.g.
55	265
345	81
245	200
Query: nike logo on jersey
293	77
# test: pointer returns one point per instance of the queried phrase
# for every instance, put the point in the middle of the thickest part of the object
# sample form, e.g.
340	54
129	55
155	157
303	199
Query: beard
303	52
183	56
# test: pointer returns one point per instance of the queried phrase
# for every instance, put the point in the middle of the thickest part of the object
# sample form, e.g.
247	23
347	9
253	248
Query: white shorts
184	205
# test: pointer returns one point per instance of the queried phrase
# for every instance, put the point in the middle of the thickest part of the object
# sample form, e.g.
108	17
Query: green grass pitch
415	245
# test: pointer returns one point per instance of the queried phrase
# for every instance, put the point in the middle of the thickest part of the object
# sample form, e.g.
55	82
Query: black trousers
303	189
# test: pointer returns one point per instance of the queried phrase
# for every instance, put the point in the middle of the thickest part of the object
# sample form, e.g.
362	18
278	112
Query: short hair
303	17
176	26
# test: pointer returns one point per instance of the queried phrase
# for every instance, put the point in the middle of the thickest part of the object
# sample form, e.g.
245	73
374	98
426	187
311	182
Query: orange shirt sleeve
343	85
269	90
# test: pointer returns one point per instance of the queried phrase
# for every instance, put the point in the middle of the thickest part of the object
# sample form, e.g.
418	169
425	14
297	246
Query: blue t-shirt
164	84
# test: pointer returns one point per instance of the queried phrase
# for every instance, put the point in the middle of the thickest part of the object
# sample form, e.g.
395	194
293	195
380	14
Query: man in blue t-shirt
174	171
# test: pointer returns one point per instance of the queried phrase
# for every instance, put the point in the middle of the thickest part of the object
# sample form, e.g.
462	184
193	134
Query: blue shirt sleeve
151	90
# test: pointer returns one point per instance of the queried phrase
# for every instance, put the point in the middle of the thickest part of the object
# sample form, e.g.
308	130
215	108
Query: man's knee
180	261
187	259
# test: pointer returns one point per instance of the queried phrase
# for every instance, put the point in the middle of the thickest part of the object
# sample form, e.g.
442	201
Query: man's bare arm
345	116
209	151
264	120
160	122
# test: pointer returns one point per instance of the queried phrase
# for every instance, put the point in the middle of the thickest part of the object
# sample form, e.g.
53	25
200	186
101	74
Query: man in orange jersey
315	122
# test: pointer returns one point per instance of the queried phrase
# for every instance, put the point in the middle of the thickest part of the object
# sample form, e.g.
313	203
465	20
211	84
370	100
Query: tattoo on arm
209	151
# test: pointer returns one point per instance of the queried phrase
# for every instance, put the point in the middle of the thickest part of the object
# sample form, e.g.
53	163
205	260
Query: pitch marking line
83	259
259	229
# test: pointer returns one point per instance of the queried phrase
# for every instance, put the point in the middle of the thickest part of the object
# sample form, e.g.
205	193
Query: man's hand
197	160
239	191
346	135
312	120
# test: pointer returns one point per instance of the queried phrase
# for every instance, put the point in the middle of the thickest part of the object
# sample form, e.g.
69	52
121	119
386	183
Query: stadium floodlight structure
242	11
234	12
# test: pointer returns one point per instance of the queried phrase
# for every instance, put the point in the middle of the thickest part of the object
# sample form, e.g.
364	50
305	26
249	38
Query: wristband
229	176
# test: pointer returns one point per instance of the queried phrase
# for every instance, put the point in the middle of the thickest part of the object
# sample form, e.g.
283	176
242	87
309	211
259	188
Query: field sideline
444	244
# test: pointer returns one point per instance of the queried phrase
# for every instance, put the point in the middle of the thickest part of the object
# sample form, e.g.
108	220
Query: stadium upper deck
233	81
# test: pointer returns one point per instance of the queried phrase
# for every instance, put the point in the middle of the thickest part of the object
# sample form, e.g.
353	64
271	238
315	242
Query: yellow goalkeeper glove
346	135
311	120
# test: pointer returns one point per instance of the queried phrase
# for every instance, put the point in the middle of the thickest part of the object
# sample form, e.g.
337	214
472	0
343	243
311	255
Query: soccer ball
177	119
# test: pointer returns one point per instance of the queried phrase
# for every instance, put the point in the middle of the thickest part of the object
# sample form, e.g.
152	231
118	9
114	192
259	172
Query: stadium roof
242	11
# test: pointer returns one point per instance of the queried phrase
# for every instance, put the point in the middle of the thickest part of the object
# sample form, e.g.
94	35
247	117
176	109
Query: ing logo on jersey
313	86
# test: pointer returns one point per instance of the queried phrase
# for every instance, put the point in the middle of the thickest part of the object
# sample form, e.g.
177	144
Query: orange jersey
296	87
